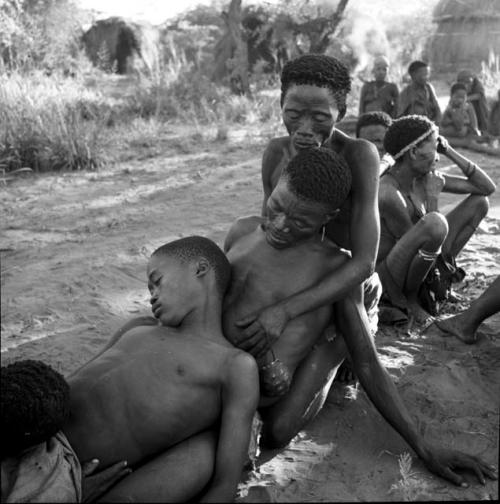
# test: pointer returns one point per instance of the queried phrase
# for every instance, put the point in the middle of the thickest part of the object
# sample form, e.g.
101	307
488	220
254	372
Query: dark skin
175	400
268	263
310	113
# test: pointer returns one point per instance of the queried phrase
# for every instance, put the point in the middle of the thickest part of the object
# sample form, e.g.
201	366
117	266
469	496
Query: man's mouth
276	239
305	145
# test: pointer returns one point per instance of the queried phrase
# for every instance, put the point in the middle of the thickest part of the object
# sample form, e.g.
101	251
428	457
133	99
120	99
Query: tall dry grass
44	123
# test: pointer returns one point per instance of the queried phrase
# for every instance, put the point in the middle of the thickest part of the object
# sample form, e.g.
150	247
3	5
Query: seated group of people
245	343
467	121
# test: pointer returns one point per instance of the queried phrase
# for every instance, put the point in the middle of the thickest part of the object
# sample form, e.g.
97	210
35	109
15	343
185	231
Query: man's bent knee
481	206
435	226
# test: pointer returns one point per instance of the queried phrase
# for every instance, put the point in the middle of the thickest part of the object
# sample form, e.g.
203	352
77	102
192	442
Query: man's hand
442	462
94	485
433	184
262	329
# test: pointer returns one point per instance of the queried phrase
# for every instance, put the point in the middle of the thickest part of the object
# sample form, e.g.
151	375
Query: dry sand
74	249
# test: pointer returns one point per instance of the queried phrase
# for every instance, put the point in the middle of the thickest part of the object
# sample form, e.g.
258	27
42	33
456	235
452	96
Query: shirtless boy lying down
174	400
285	253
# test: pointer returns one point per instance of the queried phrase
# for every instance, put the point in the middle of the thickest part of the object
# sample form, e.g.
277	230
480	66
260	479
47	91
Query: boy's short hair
319	175
378	118
34	405
192	248
415	65
405	131
457	86
380	60
318	70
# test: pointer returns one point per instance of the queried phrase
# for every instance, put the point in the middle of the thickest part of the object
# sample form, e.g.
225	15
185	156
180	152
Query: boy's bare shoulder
278	143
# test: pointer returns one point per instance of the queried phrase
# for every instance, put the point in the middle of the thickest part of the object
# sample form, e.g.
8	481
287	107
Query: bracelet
470	169
428	256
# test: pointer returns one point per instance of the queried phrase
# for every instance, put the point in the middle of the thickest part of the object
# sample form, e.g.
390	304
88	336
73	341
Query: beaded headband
429	132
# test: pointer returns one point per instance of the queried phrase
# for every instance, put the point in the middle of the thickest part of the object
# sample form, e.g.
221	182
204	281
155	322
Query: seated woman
413	231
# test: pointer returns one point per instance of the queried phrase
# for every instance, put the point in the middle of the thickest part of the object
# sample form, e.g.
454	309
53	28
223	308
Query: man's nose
305	127
280	222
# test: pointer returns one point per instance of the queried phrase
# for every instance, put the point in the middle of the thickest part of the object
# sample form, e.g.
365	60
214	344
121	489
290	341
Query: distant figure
419	97
372	126
464	325
379	94
459	119
494	119
476	97
413	231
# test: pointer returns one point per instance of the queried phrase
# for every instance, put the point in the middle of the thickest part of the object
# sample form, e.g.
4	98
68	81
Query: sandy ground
74	249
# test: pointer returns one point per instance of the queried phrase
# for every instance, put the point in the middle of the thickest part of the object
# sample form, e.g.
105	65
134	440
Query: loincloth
47	472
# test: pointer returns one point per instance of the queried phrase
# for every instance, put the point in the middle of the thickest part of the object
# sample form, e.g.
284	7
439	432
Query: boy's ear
202	267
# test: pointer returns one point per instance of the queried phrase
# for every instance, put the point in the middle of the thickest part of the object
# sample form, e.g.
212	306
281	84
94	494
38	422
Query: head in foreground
311	189
183	274
413	140
372	126
314	88
34	405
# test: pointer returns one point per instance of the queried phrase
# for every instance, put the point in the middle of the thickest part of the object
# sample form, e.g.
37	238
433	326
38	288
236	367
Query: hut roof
451	10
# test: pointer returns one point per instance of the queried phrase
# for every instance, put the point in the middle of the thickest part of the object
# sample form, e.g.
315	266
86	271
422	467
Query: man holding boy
313	98
276	256
175	400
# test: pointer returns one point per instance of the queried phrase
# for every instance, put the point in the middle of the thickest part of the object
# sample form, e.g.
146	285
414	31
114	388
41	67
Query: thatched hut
468	32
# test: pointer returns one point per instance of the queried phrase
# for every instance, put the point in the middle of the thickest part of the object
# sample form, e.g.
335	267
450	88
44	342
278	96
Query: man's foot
418	315
455	326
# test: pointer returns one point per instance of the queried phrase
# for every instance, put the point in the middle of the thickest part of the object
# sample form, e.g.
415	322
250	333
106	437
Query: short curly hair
192	248
318	70
34	405
405	130
416	65
377	118
319	175
456	87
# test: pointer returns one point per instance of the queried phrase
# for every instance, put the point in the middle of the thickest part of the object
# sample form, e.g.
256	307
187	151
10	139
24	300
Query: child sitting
459	119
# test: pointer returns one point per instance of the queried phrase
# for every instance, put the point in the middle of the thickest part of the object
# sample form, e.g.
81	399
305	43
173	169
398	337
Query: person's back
262	275
154	388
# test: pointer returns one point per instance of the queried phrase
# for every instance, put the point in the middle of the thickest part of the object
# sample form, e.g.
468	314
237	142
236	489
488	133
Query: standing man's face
374	133
421	76
380	72
309	113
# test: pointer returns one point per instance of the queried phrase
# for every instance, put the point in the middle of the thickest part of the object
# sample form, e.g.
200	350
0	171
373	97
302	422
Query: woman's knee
481	206
435	227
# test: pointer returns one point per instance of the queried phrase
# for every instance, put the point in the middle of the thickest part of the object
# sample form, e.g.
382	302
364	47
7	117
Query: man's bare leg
463	221
464	325
412	258
311	382
178	475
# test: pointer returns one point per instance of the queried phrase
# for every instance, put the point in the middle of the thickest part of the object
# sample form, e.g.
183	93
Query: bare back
153	389
263	275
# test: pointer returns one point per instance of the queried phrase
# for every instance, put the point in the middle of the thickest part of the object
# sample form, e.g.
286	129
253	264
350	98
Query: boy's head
320	71
372	126
311	189
414	136
419	72
34	405
466	77
458	95
380	68
182	273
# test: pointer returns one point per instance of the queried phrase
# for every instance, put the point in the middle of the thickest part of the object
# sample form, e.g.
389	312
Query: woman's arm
476	181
